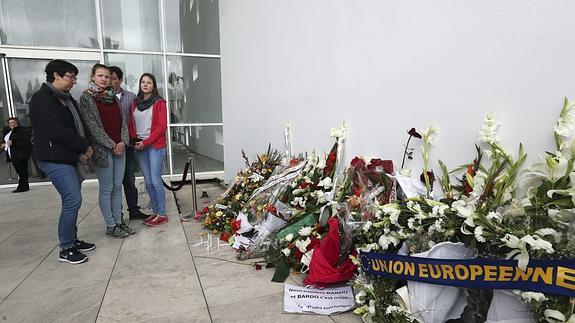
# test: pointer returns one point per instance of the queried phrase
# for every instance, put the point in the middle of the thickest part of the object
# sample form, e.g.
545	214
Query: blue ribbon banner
546	276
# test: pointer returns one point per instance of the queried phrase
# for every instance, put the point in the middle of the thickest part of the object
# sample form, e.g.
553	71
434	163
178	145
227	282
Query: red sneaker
157	221
150	218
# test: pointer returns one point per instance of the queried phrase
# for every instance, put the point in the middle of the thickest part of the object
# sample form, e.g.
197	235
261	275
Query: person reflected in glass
109	136
18	146
60	147
125	100
148	132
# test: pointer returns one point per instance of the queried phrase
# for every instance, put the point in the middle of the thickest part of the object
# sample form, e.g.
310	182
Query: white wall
386	66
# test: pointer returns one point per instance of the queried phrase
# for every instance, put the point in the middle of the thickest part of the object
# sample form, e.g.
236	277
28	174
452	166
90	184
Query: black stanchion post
189	216
193	179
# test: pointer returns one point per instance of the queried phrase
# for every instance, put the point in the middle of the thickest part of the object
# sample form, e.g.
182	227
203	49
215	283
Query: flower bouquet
235	197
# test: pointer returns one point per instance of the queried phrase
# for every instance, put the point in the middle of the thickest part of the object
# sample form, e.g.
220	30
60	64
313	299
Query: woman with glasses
109	137
59	146
18	146
148	130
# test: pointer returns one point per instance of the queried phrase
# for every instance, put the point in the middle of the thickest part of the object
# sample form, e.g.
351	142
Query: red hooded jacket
157	136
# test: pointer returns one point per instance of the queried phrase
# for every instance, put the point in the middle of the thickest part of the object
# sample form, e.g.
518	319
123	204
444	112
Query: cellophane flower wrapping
239	192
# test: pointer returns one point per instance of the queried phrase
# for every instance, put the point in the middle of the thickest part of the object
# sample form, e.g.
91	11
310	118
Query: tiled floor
156	275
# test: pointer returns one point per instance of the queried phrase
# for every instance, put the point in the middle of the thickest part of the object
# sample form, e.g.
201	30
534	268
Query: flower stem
405	151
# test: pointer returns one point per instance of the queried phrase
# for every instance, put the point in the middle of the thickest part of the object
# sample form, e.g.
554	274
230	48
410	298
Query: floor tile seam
108	282
28	275
196	270
39	263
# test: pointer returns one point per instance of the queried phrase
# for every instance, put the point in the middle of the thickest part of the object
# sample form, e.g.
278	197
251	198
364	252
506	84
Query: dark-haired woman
148	131
59	146
109	137
18	150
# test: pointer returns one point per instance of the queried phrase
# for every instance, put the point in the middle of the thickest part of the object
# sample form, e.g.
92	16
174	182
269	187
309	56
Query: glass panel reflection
134	65
4	110
195	92
192	26
131	24
58	23
206	143
26	77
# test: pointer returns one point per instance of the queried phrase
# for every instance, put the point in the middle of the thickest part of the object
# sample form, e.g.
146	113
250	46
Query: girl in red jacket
148	130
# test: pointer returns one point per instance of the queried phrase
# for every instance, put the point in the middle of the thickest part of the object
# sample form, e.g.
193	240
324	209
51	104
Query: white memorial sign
320	301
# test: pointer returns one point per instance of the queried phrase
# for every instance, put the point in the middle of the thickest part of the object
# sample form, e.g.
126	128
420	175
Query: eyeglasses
72	78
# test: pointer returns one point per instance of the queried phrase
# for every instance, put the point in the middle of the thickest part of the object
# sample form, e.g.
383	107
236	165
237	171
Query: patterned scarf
106	95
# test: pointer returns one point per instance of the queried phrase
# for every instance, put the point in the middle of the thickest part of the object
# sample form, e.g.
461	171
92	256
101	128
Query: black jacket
55	137
21	147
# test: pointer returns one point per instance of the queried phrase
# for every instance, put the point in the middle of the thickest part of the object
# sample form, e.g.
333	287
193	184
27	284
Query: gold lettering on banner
434	273
447	272
546	275
375	264
476	270
566	277
505	273
422	270
490	273
384	266
398	267
410	268
461	272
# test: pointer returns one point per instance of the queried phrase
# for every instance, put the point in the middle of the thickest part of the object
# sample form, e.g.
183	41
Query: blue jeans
68	182
129	182
110	193
152	164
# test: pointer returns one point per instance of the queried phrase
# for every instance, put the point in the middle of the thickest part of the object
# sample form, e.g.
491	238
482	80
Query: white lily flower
289	237
366	226
564	127
429	135
437	226
359	297
321	196
568	192
326	183
305	231
405	172
494	216
479	234
286	251
386	240
302	244
488	130
392	210
321	164
554	316
371	307
411	223
546	232
519	252
338	132
538	243
393	309
369	247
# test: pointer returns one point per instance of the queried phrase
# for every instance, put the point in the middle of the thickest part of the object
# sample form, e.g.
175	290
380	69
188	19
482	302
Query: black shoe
138	215
72	256
84	246
19	190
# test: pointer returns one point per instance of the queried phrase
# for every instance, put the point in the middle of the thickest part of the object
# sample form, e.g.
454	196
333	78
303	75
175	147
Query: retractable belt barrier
182	182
